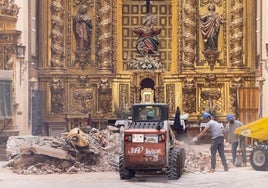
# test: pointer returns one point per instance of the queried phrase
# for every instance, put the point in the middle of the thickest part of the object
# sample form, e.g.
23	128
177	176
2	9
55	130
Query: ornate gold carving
57	39
114	47
105	95
104	35
211	93
189	95
104	84
82	58
83	2
145	63
10	8
236	33
170	97
211	82
211	57
206	2
189	36
83	96
123	96
57	96
235	84
83	80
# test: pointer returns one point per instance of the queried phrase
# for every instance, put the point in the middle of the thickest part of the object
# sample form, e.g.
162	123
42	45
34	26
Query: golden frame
147	95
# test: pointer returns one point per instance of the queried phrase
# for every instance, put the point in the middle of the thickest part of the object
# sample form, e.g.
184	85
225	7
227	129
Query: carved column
236	33
105	36
189	38
57	38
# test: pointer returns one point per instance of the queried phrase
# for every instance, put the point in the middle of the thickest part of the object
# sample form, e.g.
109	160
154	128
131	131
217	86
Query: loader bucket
256	129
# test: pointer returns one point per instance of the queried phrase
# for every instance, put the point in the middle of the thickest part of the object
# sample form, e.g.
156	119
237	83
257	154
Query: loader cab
149	112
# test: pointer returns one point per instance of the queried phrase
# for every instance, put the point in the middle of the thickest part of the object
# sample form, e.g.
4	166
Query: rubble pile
99	152
199	161
46	155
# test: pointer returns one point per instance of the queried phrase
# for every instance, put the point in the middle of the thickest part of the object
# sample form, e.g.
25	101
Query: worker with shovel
217	141
235	140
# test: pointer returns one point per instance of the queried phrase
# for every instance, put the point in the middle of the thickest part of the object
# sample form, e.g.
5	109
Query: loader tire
174	165
123	172
259	159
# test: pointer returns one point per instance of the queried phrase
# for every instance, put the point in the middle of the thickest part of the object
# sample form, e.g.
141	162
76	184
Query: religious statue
147	42
210	26
82	28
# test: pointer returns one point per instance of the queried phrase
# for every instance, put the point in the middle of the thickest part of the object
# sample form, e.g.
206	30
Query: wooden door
248	103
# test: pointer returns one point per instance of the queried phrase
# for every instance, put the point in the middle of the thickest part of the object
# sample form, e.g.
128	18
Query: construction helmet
229	117
206	115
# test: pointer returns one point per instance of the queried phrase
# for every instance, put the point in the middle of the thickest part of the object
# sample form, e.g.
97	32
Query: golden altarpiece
9	38
96	68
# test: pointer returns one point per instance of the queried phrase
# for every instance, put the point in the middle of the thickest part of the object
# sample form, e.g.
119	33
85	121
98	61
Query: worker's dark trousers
243	151
217	144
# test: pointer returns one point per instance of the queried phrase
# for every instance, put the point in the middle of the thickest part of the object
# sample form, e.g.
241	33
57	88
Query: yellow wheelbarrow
257	130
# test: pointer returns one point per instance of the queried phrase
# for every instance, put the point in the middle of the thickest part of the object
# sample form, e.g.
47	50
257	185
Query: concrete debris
77	151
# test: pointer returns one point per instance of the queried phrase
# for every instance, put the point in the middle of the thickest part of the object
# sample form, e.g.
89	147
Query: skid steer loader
148	143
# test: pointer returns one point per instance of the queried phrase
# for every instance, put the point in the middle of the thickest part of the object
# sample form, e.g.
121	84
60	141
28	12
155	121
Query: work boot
212	170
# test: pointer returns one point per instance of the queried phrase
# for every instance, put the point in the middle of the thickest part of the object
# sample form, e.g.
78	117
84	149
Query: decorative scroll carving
146	63
10	8
159	93
211	81
210	91
57	38
205	2
83	96
105	96
104	30
123	96
189	95
211	57
170	97
104	85
235	84
189	36
83	2
236	33
83	80
82	58
57	96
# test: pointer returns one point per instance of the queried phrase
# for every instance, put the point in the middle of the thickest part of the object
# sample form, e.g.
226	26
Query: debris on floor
77	151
